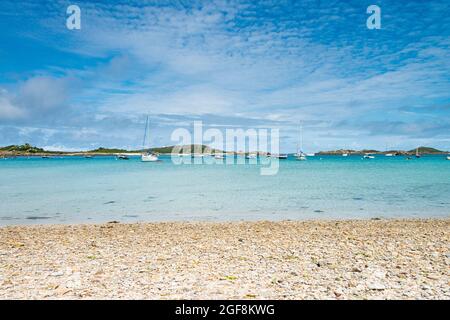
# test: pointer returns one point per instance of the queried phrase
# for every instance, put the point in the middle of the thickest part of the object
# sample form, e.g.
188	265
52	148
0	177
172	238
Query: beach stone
376	286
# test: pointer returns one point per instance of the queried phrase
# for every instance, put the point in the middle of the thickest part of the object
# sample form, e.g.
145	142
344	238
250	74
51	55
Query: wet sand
354	259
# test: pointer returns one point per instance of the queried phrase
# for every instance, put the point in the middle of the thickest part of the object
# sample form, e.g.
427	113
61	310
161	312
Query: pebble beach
348	259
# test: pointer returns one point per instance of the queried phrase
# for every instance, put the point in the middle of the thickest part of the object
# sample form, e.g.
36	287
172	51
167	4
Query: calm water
67	190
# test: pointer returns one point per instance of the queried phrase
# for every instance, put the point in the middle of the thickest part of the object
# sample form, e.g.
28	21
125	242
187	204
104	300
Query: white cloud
8	111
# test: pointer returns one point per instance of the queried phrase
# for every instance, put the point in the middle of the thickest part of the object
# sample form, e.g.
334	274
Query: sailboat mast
301	138
145	133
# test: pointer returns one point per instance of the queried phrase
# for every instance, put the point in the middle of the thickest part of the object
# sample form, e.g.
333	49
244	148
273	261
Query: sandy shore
393	259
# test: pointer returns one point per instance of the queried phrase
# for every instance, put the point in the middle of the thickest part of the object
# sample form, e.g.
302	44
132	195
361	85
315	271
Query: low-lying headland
353	259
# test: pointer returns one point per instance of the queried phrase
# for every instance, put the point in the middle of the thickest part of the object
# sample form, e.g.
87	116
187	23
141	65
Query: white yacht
418	153
147	156
388	154
300	155
278	156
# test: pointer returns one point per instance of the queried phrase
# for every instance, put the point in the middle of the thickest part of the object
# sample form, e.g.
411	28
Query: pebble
376	286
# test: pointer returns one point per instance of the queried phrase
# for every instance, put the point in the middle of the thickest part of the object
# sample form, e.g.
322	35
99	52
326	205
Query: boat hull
149	158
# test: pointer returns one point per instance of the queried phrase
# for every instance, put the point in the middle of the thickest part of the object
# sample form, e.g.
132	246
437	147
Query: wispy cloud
232	63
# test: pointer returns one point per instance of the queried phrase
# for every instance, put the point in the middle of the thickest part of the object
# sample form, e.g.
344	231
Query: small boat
279	156
448	157
197	155
368	156
388	153
147	156
417	153
219	156
88	157
251	156
345	154
122	157
300	155
310	154
45	157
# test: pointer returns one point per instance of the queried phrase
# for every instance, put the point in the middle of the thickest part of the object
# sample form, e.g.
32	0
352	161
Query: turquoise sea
77	189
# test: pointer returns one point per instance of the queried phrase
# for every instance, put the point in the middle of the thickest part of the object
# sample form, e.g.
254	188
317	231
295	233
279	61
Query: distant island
421	150
29	150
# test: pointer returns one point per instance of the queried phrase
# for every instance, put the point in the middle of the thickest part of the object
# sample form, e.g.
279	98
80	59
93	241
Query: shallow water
76	189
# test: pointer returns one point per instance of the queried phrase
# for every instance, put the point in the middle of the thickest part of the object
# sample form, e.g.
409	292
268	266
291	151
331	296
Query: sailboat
147	156
417	153
300	155
388	154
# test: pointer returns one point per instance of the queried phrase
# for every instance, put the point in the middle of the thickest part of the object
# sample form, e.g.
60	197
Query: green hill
168	149
189	149
426	150
24	148
107	150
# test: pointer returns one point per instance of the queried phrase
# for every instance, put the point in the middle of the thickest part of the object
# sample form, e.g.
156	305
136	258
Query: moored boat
148	156
278	156
417	153
122	157
300	155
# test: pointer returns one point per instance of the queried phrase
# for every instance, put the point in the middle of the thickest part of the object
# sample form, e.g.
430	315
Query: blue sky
231	64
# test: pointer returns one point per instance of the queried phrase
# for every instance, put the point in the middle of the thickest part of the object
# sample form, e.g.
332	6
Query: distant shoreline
101	154
29	151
